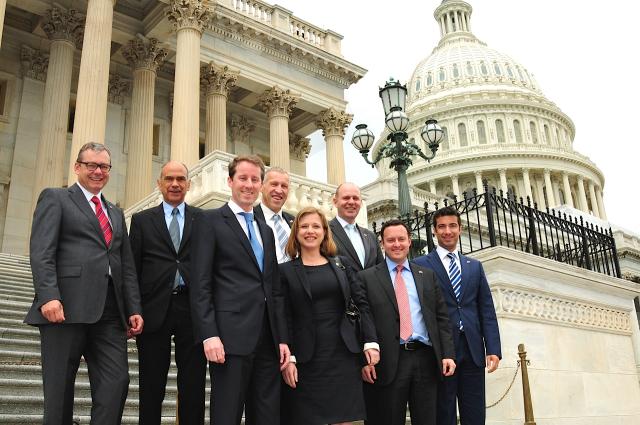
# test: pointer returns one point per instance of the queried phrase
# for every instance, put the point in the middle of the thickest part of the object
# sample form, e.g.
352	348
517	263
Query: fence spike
475	191
446	202
528	202
426	206
521	200
535	205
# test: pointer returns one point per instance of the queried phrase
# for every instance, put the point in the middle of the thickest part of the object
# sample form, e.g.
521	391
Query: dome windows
517	129
417	84
482	133
547	135
500	131
462	134
470	71
497	69
429	79
534	132
455	71
483	69
444	143
509	71
441	75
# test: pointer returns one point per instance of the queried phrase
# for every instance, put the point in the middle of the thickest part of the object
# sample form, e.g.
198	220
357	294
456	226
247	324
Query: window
470	71
497	69
483	69
482	134
534	132
462	134
456	72
500	131
520	74
441	75
418	84
429	79
155	150
72	116
3	97
509	71
547	135
518	130
558	141
444	144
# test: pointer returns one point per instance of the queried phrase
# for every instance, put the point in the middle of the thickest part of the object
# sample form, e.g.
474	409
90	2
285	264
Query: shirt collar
88	194
343	222
442	252
237	209
269	213
391	265
168	209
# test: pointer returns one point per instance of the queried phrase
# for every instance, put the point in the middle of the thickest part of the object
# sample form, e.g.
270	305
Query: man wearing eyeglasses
86	292
161	244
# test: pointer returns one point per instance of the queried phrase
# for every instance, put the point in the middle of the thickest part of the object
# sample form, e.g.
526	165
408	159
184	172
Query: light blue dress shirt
168	209
417	320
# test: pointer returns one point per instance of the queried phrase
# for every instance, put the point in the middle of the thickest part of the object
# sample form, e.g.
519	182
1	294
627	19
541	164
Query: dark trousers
416	383
104	347
467	386
251	381
154	355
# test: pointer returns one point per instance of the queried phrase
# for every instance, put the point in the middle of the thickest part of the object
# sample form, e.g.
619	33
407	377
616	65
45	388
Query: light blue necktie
174	232
456	279
255	244
282	236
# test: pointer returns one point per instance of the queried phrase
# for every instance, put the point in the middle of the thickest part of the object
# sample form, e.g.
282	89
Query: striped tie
455	278
103	220
282	236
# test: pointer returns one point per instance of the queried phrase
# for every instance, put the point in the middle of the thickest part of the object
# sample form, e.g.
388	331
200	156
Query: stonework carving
216	79
277	102
188	14
34	63
118	88
144	54
333	122
552	308
299	147
60	24
241	128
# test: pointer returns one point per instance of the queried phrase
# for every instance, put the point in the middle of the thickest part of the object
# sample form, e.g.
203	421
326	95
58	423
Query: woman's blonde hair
327	247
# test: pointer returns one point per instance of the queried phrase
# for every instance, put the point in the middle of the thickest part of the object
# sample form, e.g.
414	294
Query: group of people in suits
301	320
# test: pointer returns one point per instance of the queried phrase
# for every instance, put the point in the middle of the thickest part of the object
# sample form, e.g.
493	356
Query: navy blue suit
480	337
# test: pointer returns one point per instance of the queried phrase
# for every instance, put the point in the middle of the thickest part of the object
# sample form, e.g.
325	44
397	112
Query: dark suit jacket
300	309
384	308
475	308
228	292
373	253
156	260
70	259
259	215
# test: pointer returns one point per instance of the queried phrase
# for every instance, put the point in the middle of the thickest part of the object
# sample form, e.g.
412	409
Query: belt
413	346
180	289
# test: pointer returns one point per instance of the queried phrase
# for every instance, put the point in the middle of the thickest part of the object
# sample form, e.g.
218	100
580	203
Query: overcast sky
583	55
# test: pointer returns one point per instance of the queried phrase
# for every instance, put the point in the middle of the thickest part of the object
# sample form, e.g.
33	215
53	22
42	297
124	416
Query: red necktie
103	220
406	328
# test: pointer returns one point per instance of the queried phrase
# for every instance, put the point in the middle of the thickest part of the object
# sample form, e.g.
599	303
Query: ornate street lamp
398	149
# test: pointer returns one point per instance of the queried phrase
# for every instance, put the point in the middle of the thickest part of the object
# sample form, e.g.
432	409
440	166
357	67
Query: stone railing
209	189
258	10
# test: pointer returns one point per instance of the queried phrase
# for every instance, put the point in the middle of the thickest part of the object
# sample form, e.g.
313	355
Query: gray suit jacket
70	259
373	253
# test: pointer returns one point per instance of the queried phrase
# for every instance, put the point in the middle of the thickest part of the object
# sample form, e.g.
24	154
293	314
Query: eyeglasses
92	166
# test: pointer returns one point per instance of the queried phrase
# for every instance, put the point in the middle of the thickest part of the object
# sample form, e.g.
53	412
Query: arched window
418	84
520	75
456	72
509	71
558	141
534	132
470	71
547	135
441	75
517	129
429	79
497	69
482	134
444	144
483	69
500	131
462	134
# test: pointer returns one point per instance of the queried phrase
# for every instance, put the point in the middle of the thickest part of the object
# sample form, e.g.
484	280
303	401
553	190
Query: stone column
241	128
93	81
556	191
432	186
547	184
278	103
189	19
527	184
568	197
479	184
65	29
603	214
592	196
216	82
454	185
333	123
144	56
503	181
3	6
582	195
542	204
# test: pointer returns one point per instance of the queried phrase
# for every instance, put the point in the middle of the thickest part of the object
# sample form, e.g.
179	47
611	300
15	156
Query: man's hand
285	354
372	355
214	350
369	374
135	325
290	374
448	367
492	362
53	311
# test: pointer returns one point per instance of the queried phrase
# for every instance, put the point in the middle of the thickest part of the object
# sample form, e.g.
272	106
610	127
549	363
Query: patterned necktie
255	244
174	232
402	297
456	279
356	241
281	235
105	226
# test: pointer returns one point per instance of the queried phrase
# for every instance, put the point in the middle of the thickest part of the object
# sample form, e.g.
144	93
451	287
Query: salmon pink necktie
406	328
104	221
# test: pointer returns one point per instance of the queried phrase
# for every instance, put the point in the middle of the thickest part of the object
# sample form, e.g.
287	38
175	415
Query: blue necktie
174	232
456	279
255	244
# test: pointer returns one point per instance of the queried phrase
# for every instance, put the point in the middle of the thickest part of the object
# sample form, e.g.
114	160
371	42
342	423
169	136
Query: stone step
24	419
18	296
23	332
17	289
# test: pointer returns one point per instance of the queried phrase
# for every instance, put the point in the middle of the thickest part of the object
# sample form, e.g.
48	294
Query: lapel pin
419	271
468	262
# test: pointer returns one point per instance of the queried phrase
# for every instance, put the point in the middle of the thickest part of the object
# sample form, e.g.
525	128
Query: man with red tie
86	293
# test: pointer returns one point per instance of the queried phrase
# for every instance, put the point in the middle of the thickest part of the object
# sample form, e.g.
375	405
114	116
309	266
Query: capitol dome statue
498	127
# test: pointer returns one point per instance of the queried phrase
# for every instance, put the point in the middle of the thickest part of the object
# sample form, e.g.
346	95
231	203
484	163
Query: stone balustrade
307	32
256	9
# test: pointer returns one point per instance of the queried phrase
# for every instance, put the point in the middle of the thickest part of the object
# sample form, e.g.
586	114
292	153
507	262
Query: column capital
333	122
144	53
502	170
299	146
63	25
454	177
34	63
547	171
215	79
241	128
277	102
580	178
119	88
188	14
525	171
478	173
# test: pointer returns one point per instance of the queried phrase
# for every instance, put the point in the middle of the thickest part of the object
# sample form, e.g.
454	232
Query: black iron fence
489	219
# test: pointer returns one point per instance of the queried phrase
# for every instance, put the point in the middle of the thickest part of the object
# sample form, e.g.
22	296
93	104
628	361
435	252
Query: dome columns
568	197
603	214
592	196
551	202
527	183
479	185
582	196
503	181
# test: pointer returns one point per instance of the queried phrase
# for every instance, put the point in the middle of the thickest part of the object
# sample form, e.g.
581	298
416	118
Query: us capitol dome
498	126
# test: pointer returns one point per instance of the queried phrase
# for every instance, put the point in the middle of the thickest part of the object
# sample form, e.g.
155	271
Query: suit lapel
464	273
186	232
78	198
438	267
367	243
232	222
418	278
341	279
341	235
116	224
160	224
302	276
266	235
384	279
